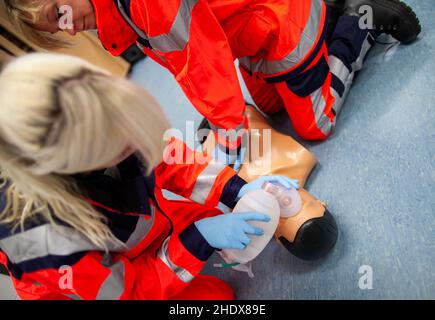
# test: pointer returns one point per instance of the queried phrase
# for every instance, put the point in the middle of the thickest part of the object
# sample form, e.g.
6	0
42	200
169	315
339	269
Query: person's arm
3	262
99	276
197	177
197	52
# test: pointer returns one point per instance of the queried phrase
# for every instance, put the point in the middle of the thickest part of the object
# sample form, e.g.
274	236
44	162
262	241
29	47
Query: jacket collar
114	33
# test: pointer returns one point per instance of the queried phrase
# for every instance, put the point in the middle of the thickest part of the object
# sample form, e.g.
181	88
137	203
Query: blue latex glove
241	154
229	231
222	156
258	183
235	158
238	162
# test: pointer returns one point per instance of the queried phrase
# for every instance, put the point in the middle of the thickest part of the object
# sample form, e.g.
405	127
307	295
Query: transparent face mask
289	200
274	200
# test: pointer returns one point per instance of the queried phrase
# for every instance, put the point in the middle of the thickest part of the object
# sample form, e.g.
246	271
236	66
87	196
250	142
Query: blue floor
376	173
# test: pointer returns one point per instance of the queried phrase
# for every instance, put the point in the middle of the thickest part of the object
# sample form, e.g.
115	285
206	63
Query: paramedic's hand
238	161
258	183
234	157
230	231
241	154
221	155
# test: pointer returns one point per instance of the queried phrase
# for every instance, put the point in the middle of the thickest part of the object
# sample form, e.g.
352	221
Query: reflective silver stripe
181	273
305	44
113	287
205	181
124	14
142	48
357	65
137	30
338	101
323	123
143	227
339	69
177	37
47	240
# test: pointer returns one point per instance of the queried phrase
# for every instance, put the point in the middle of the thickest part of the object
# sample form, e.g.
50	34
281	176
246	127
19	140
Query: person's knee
319	130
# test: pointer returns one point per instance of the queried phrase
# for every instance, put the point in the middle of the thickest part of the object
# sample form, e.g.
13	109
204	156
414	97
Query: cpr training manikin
299	221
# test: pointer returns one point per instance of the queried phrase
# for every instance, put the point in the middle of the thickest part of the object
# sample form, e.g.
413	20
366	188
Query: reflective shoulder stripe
47	240
177	37
113	287
205	181
304	46
181	273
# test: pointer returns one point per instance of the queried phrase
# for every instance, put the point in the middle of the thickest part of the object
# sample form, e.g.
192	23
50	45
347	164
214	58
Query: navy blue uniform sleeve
231	190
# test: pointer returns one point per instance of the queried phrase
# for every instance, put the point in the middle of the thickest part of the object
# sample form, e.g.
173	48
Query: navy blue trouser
313	96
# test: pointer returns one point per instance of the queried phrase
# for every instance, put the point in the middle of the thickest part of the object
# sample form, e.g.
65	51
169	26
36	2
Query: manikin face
80	15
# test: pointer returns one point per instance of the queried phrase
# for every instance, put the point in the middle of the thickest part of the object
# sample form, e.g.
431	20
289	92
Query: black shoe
389	16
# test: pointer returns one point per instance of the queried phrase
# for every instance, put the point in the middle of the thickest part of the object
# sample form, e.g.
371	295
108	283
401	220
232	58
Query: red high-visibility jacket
162	250
198	41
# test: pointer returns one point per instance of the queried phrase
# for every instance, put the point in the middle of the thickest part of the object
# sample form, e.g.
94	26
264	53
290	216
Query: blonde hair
22	14
60	115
